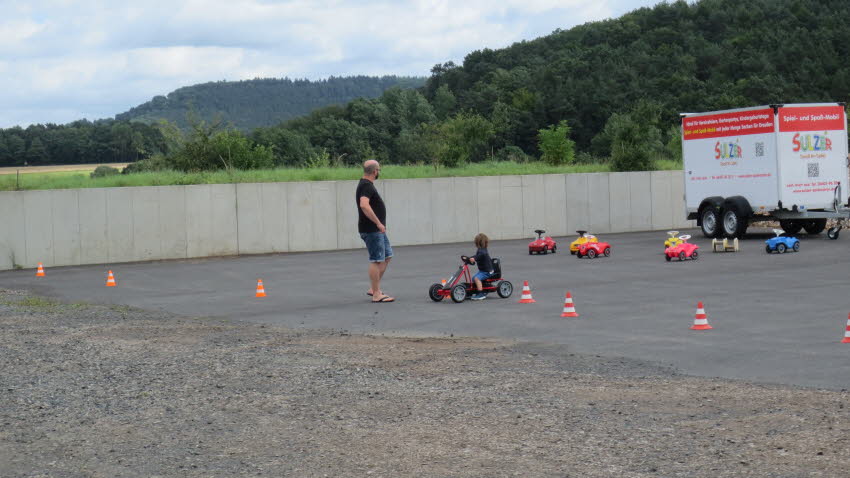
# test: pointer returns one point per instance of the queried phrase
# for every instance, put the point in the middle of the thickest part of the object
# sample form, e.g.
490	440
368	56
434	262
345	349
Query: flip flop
385	298
369	294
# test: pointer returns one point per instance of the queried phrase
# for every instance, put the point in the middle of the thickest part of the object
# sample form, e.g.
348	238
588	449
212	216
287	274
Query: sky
63	60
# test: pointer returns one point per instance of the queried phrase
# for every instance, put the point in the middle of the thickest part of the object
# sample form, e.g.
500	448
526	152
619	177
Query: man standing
371	225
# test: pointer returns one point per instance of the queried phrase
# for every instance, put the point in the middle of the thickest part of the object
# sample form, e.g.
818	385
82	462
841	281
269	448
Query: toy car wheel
573	252
832	233
530	252
768	249
554	249
667	258
682	256
545	249
459	293
780	248
434	292
796	246
695	255
504	289
578	254
591	253
607	252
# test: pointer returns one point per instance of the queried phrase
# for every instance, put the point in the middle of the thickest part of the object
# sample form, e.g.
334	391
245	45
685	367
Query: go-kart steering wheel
465	260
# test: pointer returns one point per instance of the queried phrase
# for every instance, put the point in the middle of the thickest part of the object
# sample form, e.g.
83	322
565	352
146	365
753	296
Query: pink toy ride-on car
683	250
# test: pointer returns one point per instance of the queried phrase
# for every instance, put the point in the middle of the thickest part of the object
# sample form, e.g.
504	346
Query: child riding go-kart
460	286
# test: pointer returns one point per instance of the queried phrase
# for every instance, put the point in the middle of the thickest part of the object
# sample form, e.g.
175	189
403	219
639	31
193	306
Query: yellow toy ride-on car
673	240
582	238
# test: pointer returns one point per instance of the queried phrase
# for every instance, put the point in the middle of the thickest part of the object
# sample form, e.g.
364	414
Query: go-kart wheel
796	246
607	252
682	256
591	253
695	255
504	289
832	233
433	292
459	293
667	258
768	249
780	248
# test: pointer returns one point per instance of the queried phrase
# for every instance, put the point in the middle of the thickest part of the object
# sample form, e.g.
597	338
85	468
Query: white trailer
775	162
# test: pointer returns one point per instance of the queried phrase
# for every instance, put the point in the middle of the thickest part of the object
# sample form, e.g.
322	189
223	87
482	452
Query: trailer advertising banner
812	145
730	152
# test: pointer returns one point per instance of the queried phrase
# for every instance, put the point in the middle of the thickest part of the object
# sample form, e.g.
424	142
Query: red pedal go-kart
542	245
461	286
682	250
592	250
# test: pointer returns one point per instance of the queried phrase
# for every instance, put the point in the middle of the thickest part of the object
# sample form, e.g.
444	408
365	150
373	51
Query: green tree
465	137
444	102
37	153
555	144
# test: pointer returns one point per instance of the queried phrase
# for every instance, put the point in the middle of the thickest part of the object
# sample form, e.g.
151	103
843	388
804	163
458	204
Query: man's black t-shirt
367	189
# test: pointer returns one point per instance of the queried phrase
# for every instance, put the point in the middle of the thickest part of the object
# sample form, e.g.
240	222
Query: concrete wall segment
619	202
13	242
598	203
94	230
640	201
66	226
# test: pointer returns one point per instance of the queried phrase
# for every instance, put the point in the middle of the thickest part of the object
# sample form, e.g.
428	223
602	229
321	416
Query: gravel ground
111	391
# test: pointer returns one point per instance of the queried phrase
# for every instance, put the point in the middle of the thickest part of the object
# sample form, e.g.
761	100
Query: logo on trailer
811	142
724	150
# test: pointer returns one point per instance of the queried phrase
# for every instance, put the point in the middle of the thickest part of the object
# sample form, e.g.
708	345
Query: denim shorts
378	245
481	275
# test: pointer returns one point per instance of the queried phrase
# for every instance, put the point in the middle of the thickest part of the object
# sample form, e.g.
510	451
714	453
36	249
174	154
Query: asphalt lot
776	318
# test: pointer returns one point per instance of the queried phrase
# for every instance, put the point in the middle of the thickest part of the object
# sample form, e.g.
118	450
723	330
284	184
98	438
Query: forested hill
619	85
684	56
261	102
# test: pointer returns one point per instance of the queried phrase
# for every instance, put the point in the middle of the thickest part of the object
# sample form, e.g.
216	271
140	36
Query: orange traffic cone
847	332
261	292
40	271
701	319
443	282
526	294
110	280
569	307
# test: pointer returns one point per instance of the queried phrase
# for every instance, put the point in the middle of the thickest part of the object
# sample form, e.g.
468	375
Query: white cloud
61	59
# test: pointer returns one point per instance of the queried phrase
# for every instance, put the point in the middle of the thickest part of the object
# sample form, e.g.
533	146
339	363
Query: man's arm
367	210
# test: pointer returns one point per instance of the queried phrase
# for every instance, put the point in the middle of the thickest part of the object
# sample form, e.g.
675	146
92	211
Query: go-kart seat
497	269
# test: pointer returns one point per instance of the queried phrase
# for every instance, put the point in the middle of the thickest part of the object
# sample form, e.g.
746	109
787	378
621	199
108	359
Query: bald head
371	169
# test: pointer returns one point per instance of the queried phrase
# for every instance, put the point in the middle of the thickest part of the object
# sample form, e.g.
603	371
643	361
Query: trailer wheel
815	226
791	227
832	233
710	222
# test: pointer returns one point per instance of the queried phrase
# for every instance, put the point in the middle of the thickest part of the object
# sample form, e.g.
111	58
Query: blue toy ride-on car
781	243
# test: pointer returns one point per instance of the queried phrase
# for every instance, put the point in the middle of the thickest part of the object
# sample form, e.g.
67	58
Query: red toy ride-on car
461	286
592	250
542	245
682	250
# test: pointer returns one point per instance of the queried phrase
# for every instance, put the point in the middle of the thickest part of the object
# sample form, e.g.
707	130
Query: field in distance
60	168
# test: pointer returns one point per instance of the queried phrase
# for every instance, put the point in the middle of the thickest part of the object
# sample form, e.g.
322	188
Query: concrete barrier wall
104	226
